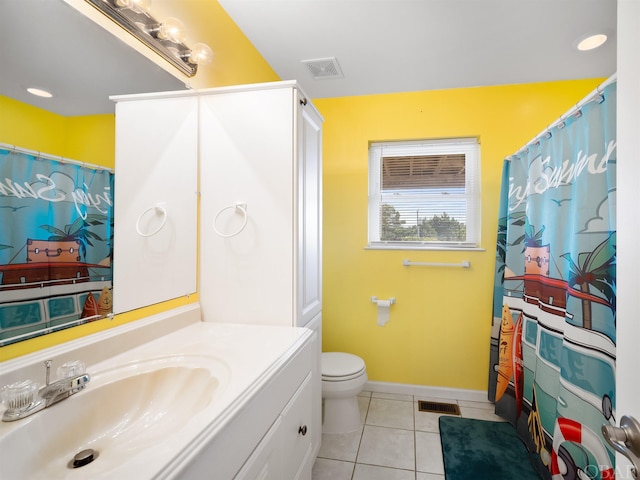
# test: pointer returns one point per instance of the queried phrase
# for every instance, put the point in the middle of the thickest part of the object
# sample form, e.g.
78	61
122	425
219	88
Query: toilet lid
339	364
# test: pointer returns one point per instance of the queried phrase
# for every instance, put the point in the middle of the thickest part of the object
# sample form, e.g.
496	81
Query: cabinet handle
302	430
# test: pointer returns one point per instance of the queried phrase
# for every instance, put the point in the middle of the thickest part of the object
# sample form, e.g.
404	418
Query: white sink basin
163	395
121	411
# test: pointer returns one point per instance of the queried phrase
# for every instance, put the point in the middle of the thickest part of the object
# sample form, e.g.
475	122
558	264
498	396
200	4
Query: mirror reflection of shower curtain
56	240
555	294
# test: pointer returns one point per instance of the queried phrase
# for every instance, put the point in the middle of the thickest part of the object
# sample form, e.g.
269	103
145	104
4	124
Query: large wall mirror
49	44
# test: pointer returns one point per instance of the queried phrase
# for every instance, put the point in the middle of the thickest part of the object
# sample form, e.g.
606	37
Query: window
424	194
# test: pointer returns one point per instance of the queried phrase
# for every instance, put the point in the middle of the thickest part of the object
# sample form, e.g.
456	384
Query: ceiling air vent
322	68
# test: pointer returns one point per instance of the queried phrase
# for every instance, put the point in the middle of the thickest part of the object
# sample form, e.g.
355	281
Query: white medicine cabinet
155	232
253	152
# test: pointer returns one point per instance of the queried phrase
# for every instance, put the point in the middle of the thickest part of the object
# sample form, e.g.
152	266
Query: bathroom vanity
171	397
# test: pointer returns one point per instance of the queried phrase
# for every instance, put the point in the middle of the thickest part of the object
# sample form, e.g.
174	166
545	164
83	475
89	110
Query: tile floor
396	442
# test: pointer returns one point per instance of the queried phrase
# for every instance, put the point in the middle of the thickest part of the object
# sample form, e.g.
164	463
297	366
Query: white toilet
343	377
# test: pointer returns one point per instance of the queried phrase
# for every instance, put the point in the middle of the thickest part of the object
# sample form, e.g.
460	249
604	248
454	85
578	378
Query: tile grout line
415	438
364	424
367	405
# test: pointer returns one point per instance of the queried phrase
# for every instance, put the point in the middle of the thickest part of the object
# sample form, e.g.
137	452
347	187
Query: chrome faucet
24	398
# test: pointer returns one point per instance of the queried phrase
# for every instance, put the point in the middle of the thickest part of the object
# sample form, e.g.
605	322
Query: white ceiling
382	46
387	46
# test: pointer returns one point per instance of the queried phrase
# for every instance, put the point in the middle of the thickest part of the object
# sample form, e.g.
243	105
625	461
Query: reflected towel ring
159	209
239	206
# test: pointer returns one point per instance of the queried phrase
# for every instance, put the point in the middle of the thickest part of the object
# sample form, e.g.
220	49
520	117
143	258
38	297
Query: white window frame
470	147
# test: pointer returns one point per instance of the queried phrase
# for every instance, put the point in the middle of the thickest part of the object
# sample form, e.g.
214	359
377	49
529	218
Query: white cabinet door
155	201
285	451
247	156
260	148
297	433
309	221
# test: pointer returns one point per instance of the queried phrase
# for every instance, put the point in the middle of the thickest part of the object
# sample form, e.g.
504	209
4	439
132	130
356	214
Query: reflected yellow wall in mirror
31	127
89	139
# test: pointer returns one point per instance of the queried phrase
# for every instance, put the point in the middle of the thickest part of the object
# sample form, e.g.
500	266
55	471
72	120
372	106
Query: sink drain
83	458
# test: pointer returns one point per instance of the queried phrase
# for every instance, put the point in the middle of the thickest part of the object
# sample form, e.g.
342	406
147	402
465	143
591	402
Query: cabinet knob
302	430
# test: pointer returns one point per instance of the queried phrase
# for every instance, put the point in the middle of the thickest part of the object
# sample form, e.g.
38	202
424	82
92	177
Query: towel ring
239	206
159	209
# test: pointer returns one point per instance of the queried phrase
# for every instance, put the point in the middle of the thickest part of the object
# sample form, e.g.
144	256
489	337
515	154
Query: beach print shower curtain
555	294
56	243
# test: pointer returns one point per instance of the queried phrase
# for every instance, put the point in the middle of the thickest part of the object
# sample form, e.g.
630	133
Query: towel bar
463	264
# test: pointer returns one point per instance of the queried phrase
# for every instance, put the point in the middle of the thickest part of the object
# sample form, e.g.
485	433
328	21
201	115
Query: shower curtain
56	244
555	293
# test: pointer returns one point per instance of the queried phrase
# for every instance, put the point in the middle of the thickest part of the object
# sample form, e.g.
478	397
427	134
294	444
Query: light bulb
140	6
201	54
172	29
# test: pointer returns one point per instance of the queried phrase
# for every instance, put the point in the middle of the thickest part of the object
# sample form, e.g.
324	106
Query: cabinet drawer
297	425
264	463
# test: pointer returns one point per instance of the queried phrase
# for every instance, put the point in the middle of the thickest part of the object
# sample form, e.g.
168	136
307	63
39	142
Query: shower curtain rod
58	158
572	111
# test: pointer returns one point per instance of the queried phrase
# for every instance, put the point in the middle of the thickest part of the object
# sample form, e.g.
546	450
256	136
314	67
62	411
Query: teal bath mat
483	450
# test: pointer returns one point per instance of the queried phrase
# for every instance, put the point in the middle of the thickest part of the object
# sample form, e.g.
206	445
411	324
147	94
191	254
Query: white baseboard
427	391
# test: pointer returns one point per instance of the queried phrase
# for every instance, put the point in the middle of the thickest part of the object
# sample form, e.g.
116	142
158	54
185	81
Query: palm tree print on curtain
555	294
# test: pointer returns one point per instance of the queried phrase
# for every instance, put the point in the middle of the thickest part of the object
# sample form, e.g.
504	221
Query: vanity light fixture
591	42
39	92
166	38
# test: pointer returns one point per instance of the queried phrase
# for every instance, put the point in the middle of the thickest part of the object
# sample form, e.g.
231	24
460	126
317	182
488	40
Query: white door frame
628	217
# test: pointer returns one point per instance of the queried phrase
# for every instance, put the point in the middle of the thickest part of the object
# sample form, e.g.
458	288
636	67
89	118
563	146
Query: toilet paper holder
392	300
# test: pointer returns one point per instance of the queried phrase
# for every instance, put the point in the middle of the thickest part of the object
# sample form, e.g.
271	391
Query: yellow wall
235	61
92	138
439	330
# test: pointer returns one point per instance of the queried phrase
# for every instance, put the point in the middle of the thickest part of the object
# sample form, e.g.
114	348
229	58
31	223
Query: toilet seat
340	367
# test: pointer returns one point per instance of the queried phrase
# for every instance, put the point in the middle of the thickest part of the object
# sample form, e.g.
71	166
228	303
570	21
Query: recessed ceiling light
39	92
592	41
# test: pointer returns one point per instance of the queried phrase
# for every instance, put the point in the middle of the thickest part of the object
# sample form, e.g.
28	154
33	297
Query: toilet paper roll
383	312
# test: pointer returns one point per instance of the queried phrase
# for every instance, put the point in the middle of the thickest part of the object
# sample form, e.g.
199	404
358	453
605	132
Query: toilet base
341	415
